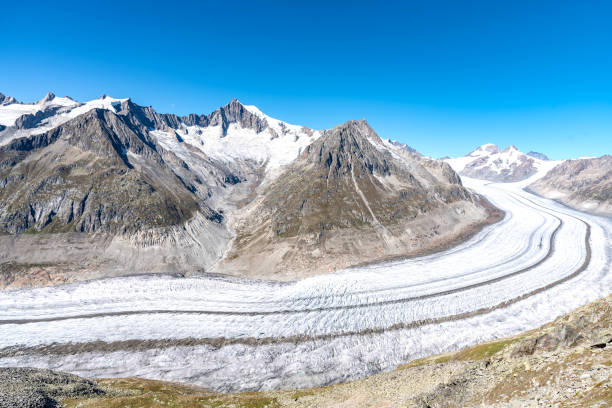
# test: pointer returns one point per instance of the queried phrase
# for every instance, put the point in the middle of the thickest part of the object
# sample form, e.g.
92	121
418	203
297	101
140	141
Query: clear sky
442	76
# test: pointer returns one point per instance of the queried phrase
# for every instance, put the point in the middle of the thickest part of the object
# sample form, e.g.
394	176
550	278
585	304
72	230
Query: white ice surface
318	306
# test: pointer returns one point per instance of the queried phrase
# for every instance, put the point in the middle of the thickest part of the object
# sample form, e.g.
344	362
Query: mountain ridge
193	189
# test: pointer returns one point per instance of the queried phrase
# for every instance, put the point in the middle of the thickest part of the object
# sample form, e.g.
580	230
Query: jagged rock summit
48	98
6	100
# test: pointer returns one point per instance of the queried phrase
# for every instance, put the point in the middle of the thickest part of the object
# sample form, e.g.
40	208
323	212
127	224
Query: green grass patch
474	353
485	350
139	393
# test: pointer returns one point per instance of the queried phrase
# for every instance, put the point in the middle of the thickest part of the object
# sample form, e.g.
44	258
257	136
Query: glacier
230	334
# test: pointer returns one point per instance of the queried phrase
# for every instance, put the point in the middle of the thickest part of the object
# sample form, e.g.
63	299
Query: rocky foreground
566	363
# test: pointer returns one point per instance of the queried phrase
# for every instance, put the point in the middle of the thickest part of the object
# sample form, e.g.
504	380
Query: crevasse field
228	334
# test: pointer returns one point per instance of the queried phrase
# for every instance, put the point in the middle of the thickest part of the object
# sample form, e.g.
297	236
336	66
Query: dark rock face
6	100
48	98
403	146
103	171
31	120
345	147
349	196
32	388
97	172
233	112
537	155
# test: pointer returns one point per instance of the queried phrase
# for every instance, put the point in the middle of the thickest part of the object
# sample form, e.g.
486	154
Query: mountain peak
511	148
6	100
234	103
48	98
485	149
351	144
235	112
361	125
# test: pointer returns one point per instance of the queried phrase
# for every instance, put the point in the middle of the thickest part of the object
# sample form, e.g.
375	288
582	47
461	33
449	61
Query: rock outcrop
32	388
6	100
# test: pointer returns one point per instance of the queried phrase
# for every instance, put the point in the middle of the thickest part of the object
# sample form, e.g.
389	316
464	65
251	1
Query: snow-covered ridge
49	112
275	143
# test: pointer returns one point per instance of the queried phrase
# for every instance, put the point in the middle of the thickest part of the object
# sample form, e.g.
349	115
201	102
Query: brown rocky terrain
348	200
585	184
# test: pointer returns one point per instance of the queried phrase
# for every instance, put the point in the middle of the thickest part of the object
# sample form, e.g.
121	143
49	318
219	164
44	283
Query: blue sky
442	76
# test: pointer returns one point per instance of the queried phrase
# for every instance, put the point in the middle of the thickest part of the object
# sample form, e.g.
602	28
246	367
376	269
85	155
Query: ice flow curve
540	249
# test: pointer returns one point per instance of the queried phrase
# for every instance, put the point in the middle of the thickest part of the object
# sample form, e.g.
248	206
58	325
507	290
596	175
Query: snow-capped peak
490	163
279	126
6	100
48	98
484	150
511	148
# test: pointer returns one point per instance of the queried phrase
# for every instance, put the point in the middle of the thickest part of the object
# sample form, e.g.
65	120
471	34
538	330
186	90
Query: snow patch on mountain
277	145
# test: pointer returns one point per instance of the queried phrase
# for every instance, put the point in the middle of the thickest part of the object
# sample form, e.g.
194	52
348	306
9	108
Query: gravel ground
32	388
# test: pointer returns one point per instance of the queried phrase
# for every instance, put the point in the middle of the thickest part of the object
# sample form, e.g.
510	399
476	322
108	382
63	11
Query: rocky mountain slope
350	197
567	363
585	184
109	187
98	196
488	162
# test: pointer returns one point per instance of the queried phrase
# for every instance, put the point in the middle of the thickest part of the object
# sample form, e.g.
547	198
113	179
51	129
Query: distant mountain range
584	184
489	162
109	187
